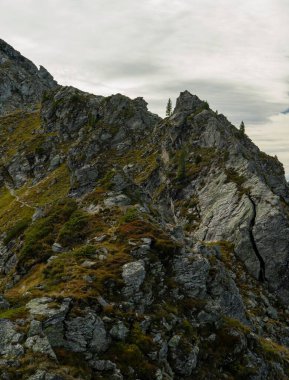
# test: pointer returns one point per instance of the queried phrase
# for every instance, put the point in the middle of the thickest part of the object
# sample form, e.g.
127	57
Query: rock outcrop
22	84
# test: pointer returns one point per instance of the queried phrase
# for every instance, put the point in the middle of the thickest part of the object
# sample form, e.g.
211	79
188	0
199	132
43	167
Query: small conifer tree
169	108
242	127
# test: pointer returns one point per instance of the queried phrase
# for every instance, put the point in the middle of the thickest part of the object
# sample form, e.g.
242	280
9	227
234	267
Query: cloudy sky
234	54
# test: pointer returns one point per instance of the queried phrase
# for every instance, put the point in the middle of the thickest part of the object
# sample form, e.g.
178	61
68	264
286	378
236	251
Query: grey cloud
124	69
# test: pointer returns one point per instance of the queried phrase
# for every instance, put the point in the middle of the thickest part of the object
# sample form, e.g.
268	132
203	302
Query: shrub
15	231
130	215
74	230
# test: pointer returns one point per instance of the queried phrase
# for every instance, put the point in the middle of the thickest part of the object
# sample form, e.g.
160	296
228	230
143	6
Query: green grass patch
40	236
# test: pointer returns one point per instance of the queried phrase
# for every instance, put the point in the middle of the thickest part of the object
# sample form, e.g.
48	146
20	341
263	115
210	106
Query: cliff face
134	247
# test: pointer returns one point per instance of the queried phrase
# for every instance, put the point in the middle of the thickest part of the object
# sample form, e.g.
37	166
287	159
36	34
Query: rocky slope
135	247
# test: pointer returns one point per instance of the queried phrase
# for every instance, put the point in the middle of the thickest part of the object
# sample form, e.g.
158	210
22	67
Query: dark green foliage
169	108
19	228
77	98
206	105
46	96
165	247
130	215
84	251
74	230
92	120
128	355
198	159
234	176
242	128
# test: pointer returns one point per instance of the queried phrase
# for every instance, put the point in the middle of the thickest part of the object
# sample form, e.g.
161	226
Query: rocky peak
21	82
188	103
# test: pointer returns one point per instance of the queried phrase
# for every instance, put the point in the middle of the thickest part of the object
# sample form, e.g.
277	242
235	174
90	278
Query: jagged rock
118	200
103	365
39	213
183	362
57	248
174	341
85	177
22	84
45	307
133	275
100	238
35	328
10	343
88	264
119	331
54	316
224	291
55	162
191	273
8	259
86	334
66	110
40	344
187	104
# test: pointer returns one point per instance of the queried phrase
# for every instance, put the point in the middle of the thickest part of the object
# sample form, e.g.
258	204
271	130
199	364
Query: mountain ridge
135	247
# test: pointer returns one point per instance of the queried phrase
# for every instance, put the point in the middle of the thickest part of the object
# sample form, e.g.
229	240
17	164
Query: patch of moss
13	314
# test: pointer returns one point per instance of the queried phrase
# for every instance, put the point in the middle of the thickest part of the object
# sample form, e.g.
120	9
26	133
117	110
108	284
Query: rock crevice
262	276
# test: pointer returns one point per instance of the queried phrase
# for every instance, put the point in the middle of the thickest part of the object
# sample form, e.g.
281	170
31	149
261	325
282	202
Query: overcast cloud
233	54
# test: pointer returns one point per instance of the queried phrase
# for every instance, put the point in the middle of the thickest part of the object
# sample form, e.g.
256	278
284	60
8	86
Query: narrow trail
23	203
